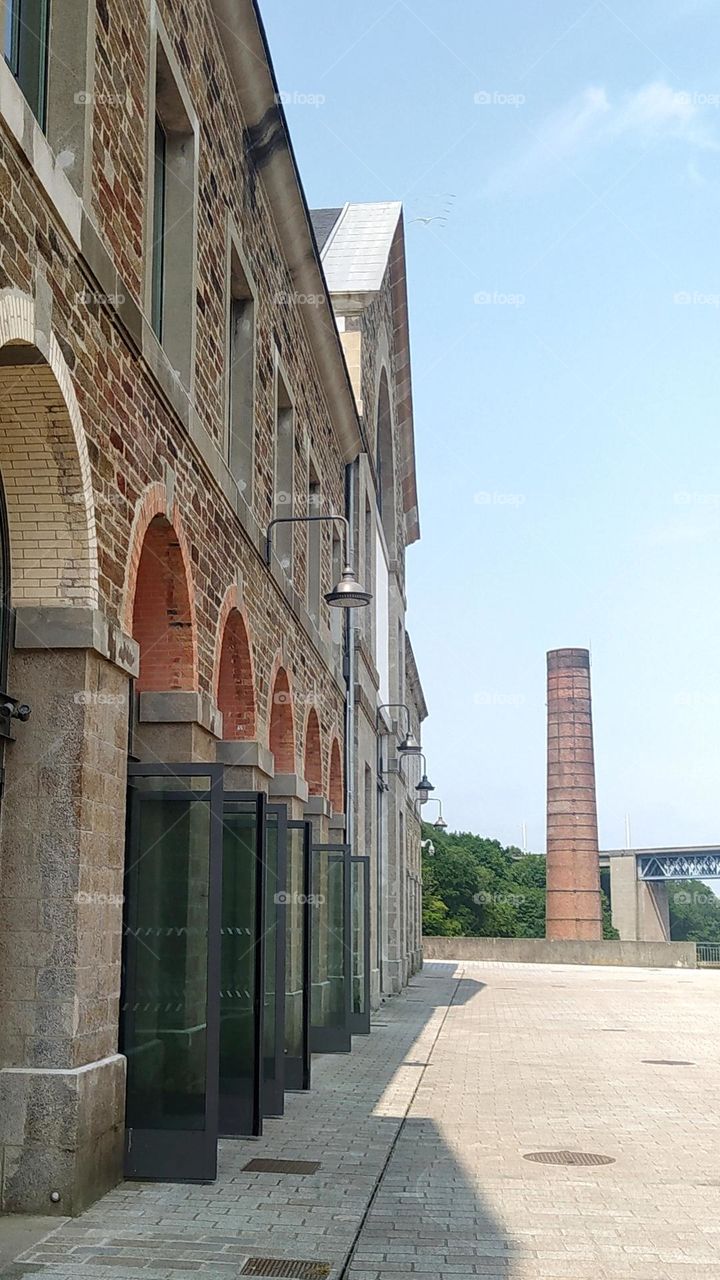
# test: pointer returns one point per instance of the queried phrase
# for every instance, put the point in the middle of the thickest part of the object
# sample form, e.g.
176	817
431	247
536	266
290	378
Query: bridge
639	881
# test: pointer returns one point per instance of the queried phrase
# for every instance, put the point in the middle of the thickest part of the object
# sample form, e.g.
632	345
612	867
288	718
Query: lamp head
347	593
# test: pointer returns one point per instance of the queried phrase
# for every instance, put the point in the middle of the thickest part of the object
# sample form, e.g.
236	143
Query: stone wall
654	955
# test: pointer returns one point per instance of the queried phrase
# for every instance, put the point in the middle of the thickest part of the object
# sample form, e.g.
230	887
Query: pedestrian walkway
422	1133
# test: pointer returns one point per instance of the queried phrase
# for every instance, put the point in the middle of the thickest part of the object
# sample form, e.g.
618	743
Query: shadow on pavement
394	1196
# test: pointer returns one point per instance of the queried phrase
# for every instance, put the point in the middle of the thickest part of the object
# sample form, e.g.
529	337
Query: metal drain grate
568	1157
668	1062
286	1267
281	1166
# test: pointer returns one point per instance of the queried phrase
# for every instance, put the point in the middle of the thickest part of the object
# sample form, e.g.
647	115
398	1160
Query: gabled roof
356	247
323	221
362	245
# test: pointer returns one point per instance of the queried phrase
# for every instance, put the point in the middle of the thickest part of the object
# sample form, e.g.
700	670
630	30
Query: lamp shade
347	593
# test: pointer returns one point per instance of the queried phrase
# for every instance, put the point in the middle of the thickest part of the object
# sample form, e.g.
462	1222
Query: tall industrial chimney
574	908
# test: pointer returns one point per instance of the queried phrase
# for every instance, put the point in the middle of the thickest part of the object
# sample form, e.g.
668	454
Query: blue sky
565	314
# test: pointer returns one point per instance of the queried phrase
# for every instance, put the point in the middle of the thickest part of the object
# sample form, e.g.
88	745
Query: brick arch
163	612
234	682
313	766
336	791
153	502
50	504
281	719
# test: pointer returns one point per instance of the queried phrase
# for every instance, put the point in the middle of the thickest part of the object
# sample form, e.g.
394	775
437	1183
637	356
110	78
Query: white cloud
650	115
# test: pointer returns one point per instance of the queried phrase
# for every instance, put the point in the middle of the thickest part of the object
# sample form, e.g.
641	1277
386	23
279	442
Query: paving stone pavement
422	1130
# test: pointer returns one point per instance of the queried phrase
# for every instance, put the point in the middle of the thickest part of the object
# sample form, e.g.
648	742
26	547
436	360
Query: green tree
694	912
475	887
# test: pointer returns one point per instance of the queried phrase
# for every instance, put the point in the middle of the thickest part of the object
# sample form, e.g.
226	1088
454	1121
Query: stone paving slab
348	1121
545	1059
421	1134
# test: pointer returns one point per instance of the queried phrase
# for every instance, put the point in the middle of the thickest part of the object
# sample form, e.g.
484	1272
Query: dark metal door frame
360	1022
324	1039
232	1121
178	1155
273	1090
298	1070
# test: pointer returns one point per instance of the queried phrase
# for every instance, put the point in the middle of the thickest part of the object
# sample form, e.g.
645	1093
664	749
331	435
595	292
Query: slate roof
355	244
323	221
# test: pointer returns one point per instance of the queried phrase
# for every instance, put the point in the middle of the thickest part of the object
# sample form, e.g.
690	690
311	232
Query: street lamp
423	787
408	745
347	593
440	824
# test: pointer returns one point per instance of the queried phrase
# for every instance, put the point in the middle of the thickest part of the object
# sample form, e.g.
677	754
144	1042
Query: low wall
653	955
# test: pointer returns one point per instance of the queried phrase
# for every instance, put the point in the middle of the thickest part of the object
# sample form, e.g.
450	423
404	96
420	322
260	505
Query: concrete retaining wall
653	955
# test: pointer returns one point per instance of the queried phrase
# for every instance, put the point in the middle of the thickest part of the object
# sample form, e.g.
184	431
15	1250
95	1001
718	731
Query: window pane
295	910
328	941
240	927
158	247
25	39
165	1021
358	937
272	888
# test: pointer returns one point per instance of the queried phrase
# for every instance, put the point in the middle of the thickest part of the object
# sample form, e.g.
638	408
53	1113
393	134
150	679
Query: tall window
26	50
158	256
284	468
314	537
172	294
241	383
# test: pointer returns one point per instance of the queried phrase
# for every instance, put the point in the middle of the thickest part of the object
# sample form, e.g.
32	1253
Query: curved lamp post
347	593
439	824
409	745
424	786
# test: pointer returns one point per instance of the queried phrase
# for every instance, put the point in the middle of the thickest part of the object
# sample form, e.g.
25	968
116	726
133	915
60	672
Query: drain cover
568	1157
280	1166
668	1062
286	1267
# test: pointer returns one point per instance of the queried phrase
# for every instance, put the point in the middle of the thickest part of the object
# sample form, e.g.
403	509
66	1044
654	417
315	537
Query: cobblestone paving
422	1131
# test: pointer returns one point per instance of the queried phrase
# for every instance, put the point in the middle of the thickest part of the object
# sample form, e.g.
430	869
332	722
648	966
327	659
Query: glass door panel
297	965
360	917
273	1086
331	949
242	962
169	1022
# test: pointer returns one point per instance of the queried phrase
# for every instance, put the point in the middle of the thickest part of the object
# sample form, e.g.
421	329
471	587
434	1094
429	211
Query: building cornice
269	151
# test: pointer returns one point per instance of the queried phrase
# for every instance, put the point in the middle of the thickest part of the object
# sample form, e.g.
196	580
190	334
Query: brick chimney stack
574	908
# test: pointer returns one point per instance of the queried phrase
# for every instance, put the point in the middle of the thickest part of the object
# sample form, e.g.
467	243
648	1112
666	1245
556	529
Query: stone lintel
180	706
338	823
246	754
288	786
75	627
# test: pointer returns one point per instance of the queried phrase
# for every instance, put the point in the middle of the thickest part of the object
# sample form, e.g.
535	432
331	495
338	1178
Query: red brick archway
313	754
282	723
235	684
335	789
162	615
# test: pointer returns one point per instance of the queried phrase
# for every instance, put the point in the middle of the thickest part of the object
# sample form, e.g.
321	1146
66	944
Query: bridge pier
640	908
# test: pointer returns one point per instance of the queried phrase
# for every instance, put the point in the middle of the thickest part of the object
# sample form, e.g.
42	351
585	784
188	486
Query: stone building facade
363	254
171	381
